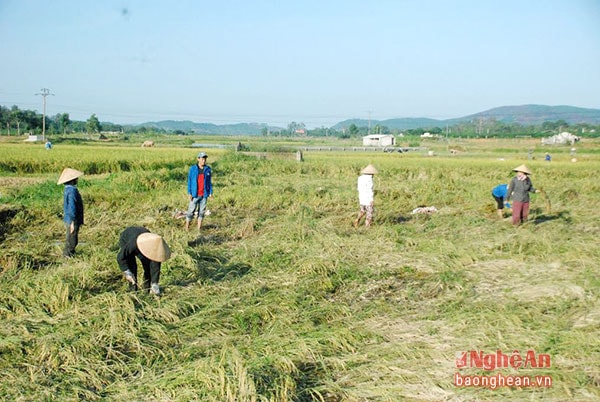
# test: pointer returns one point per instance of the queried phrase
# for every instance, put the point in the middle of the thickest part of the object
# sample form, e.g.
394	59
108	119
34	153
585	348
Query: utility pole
45	92
369	129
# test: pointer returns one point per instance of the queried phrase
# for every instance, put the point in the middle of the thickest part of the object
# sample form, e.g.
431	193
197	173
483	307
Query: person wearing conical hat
151	249
72	208
365	195
518	191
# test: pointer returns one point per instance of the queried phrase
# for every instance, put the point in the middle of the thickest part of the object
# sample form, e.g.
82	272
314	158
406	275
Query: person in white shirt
365	195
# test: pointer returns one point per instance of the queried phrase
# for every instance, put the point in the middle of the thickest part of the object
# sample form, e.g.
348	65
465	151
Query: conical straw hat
523	169
370	169
68	174
153	246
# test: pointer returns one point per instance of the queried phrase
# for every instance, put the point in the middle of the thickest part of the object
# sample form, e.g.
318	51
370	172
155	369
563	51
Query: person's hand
72	227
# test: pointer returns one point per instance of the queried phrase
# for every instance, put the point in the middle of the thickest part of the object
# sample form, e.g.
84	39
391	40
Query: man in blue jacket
200	188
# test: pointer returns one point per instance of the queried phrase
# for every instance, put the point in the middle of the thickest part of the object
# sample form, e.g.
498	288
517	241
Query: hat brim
523	169
369	170
153	247
68	174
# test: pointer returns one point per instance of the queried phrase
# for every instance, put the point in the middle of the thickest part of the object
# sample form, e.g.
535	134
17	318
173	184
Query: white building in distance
379	140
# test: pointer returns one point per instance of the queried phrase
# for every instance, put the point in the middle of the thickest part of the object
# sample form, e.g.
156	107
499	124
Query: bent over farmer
499	195
150	249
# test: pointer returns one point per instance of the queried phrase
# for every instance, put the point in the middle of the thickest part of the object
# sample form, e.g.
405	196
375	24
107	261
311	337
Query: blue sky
317	62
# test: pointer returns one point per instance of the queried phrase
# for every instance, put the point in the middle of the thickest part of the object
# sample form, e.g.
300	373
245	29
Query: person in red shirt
200	188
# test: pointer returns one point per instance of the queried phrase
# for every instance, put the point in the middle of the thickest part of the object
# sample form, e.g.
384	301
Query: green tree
31	119
64	122
353	130
93	124
16	117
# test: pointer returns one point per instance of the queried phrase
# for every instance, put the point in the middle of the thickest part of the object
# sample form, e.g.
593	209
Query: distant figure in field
48	145
147	144
199	187
365	195
73	209
547	158
150	249
499	194
518	191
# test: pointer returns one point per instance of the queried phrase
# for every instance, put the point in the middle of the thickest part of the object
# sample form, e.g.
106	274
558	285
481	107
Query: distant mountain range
523	114
208	128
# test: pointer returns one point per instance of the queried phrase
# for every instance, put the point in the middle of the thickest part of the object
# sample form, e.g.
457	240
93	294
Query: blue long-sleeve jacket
500	190
192	183
72	205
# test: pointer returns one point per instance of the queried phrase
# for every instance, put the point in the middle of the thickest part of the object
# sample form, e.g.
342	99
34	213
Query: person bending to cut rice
499	195
150	249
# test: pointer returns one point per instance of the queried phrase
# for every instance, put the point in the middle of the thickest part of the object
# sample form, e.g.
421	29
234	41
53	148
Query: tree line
14	121
480	128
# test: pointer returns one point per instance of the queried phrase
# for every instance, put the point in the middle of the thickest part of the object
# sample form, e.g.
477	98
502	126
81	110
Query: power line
45	92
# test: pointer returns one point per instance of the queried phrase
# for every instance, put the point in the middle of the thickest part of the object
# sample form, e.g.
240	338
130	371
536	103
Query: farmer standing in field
199	187
72	208
499	194
518	190
365	195
150	249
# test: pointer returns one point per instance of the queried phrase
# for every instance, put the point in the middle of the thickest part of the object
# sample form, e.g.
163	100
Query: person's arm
124	253
69	206
208	178
509	190
190	182
533	189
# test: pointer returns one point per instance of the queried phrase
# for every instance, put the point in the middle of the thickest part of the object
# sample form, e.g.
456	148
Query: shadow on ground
543	218
214	267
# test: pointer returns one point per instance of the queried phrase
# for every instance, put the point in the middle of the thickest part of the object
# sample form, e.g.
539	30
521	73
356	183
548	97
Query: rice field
280	298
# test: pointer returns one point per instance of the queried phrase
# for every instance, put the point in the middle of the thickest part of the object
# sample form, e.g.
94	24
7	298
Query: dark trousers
72	240
151	271
499	202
